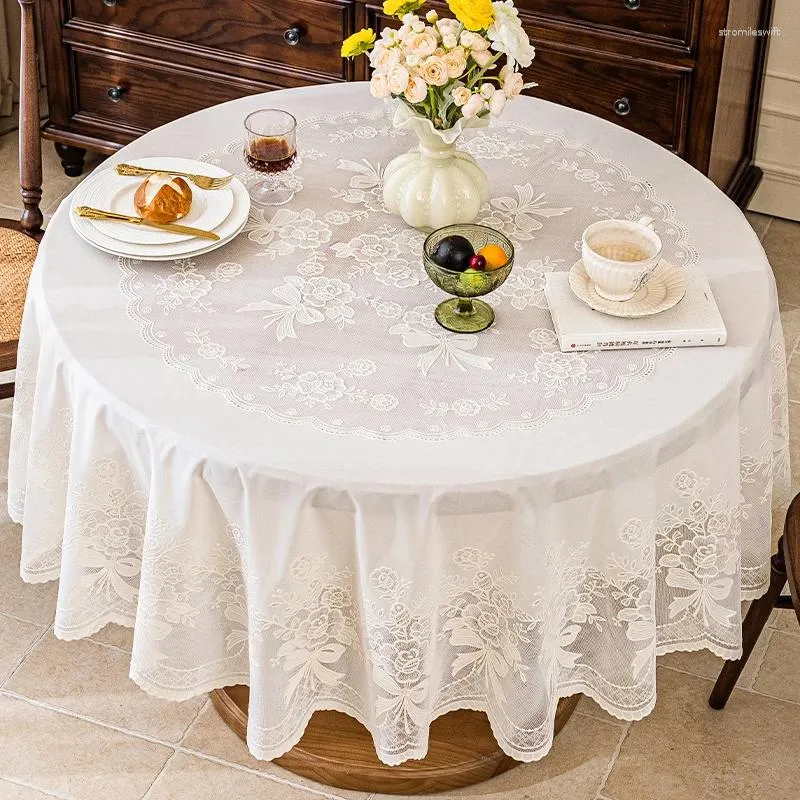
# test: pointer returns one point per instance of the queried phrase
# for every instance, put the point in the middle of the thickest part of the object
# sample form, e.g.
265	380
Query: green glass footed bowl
463	314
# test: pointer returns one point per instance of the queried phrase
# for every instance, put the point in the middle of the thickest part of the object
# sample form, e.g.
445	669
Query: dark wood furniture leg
754	623
71	159
30	145
338	751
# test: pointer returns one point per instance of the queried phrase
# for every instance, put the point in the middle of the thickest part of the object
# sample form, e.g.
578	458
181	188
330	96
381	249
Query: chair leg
30	144
754	623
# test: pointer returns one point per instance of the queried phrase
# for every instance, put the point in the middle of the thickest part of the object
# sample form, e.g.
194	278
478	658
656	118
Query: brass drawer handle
114	93
631	5
622	106
293	35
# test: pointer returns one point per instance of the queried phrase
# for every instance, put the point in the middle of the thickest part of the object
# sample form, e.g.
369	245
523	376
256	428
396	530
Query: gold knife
95	213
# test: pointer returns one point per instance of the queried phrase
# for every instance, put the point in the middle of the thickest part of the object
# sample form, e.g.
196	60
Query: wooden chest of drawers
116	68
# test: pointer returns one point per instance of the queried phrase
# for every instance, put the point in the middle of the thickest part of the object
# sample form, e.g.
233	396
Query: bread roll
163	198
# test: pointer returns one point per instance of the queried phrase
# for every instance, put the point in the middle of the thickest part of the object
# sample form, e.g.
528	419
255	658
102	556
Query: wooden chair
19	240
785	569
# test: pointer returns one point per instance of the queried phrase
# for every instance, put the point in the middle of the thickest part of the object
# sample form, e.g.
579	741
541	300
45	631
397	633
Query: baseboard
742	186
779	192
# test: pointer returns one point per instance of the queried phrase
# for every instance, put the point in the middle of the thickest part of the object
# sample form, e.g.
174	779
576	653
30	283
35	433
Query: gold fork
201	181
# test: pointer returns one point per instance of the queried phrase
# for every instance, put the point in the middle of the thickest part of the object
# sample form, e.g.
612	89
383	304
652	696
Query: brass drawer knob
293	35
115	93
622	106
631	5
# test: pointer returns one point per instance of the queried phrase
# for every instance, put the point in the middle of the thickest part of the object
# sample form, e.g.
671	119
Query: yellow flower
396	8
474	15
358	43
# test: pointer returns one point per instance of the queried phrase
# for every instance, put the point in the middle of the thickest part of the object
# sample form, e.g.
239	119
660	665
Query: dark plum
454	253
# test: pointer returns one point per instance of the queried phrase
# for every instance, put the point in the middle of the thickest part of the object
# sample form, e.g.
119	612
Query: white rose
398	79
487	90
389	35
450	41
473	106
496	104
417	26
412	59
379	86
481	57
434	71
513	84
408	19
456	62
431	16
404	32
448	26
508	36
460	95
417	90
422	44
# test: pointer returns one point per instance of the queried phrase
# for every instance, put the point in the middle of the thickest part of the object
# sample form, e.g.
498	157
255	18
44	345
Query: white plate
665	289
193	246
114	192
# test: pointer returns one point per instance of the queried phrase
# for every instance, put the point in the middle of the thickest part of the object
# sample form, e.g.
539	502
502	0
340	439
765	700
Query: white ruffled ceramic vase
434	184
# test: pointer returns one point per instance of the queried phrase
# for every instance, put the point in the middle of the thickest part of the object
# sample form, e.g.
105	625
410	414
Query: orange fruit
495	256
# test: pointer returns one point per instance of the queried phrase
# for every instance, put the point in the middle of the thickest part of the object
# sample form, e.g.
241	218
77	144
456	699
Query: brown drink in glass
270	148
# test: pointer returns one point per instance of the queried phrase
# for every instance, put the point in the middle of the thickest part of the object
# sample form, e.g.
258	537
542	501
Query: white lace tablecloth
274	464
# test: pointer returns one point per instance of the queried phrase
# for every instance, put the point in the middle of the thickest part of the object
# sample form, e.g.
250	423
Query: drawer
651	101
661	19
140	96
252	28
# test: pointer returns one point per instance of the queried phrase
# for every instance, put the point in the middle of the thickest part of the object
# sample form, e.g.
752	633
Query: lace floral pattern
333	272
394	607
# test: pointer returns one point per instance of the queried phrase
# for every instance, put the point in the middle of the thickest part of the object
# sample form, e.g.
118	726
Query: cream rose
473	106
448	26
412	59
450	41
397	79
460	95
479	43
513	84
383	58
379	86
456	62
417	90
422	44
481	57
497	103
487	90
434	71
417	26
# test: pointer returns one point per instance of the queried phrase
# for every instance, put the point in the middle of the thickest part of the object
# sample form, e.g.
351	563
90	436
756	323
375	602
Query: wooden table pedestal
338	751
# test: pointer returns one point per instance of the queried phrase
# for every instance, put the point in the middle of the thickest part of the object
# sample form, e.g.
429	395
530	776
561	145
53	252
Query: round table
272	463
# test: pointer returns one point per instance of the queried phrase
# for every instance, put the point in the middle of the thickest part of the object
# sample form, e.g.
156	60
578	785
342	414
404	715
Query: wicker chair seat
17	254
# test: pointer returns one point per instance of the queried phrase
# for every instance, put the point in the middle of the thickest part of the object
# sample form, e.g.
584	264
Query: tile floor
74	727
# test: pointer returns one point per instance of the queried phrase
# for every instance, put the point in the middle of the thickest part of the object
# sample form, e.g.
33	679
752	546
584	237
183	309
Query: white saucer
665	289
188	247
114	192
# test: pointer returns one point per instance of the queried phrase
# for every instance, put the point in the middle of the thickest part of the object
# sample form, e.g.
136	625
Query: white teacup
620	256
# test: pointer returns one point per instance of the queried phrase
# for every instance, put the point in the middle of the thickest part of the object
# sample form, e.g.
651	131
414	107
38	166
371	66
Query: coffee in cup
620	256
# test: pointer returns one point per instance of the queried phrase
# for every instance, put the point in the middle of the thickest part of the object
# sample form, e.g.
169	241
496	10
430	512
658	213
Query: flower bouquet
447	75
